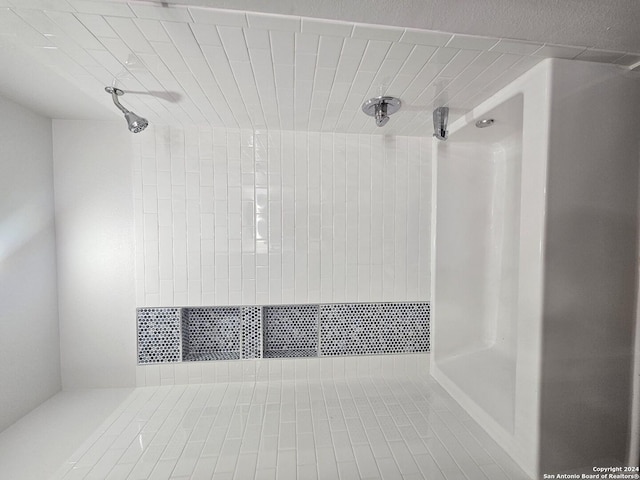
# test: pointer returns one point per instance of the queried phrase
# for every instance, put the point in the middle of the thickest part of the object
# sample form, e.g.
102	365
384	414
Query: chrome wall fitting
440	120
484	123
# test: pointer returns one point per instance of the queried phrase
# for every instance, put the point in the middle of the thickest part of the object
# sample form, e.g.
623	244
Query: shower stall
534	265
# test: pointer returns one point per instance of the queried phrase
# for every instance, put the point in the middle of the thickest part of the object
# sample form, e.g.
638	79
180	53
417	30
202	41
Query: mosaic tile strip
230	333
374	328
184	322
292	328
291	353
251	332
211	356
159	335
213	331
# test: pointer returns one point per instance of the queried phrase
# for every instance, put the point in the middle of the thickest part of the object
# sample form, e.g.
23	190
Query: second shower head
440	121
380	108
136	123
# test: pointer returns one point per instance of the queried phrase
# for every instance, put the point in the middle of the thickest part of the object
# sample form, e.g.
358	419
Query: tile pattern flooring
368	428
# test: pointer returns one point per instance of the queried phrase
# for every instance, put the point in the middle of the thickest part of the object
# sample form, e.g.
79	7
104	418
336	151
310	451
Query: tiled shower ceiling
193	65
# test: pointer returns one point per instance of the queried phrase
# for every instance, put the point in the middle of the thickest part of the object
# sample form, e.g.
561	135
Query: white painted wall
242	217
29	347
94	224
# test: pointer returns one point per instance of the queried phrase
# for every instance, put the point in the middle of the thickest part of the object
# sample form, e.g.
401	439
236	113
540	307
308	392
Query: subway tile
329	52
170	56
628	60
327	466
559	51
377	32
603	56
152	30
182	36
516	47
471	42
425	37
274	22
231	97
214	212
365	461
258	43
307	471
213	16
205	34
374	55
97	25
246	466
204	468
389	469
74	28
234	43
326	27
286	467
403	457
130	34
348	470
168	13
95	7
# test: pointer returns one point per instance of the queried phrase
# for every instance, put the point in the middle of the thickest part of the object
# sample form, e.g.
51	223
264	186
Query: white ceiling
231	68
603	24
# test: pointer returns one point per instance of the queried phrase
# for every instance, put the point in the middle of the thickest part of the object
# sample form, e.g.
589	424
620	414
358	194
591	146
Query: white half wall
94	220
29	347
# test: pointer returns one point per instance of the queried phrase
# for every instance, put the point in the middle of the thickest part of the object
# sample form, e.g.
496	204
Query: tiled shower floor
353	429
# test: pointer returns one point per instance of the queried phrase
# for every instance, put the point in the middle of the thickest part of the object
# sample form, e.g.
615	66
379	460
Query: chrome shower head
380	108
136	123
440	120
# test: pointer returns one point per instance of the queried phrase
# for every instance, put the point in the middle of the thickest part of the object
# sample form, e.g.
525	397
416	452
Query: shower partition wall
489	223
477	262
534	265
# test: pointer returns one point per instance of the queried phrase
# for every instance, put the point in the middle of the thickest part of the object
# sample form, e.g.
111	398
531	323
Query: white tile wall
415	365
228	217
240	69
382	428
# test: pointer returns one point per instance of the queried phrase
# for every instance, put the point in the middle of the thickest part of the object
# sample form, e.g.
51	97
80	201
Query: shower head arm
118	104
115	93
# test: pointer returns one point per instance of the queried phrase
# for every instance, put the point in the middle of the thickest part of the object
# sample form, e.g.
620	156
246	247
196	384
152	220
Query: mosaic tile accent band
291	331
374	328
159	335
184	322
281	331
213	333
251	332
